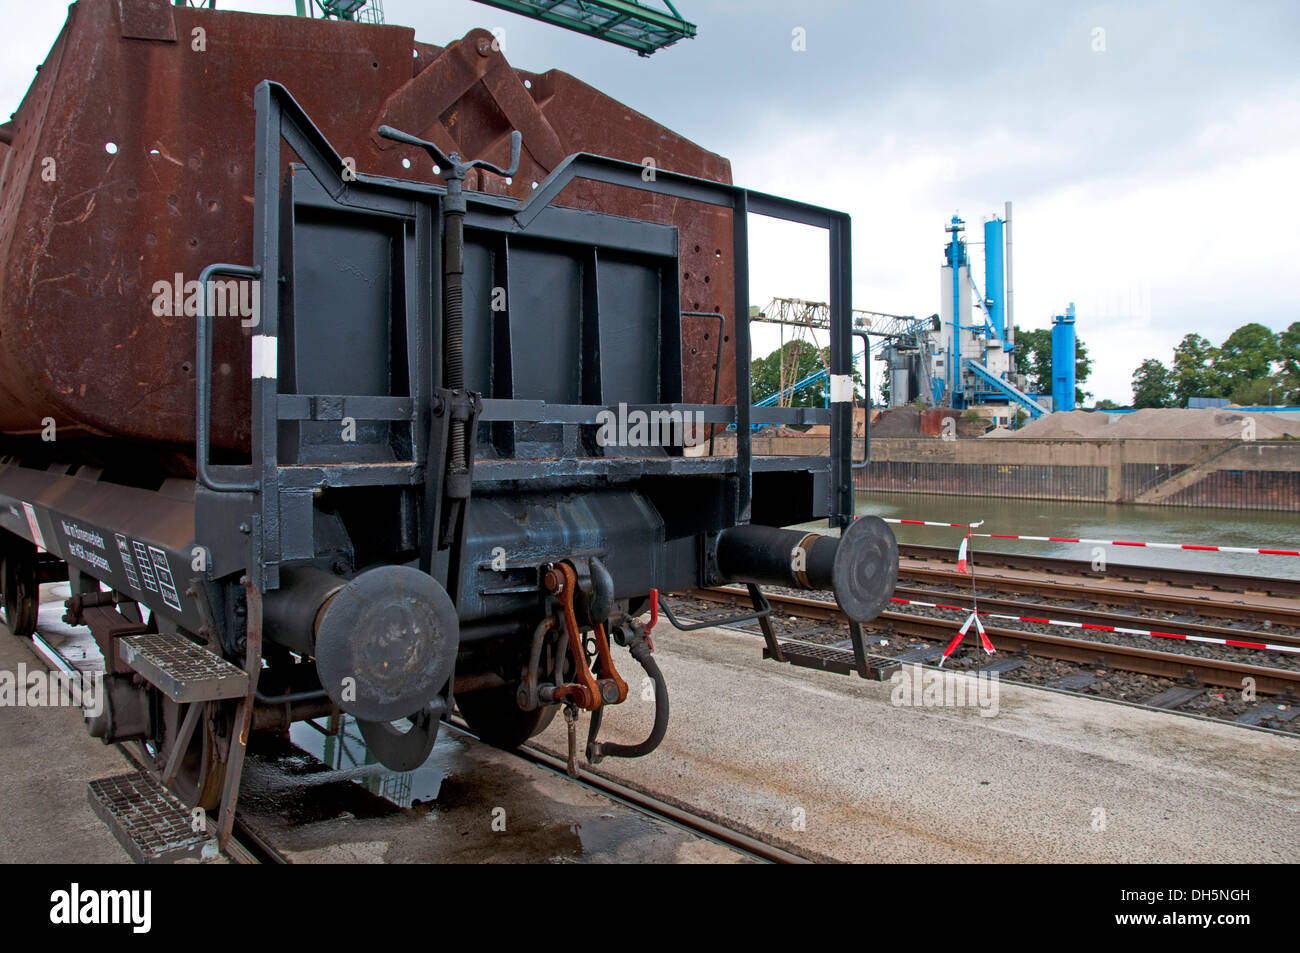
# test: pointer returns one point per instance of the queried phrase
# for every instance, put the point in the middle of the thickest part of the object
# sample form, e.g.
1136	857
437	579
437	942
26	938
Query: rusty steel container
129	162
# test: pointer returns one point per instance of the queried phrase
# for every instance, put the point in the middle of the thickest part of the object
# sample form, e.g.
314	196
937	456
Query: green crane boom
625	22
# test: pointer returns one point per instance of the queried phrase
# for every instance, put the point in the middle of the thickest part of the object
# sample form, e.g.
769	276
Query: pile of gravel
1170	423
899	422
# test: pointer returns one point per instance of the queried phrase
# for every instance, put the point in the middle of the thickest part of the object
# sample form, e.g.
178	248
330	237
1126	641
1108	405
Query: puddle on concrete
301	795
312	781
604	834
347	752
323	798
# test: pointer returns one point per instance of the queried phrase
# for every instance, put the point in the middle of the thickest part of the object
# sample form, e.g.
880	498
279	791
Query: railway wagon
394	412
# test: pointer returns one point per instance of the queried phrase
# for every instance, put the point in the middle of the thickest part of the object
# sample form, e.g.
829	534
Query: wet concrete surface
317	800
828	766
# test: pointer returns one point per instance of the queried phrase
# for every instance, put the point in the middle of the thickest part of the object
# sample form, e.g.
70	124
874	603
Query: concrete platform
46	759
1048	778
468	803
823	764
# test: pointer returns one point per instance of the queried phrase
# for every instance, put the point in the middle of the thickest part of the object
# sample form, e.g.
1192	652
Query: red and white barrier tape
1295	650
985	642
1247	550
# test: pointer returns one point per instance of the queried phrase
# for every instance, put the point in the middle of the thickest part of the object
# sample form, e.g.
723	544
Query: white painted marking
265	359
841	388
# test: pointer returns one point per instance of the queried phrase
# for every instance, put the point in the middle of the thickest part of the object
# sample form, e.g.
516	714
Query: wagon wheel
21	592
495	716
202	770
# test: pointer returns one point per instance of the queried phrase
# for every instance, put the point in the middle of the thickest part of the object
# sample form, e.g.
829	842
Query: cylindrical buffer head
861	567
866	568
386	643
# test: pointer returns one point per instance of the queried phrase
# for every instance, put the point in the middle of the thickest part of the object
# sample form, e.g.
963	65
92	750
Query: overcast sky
1152	150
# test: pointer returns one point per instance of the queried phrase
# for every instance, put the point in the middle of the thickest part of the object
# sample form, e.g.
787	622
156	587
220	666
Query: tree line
1254	365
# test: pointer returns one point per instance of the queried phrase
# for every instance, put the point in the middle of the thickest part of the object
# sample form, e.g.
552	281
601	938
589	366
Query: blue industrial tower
994	284
1063	357
956	255
979	351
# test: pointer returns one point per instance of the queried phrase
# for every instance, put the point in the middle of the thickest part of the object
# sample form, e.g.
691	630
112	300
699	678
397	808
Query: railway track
1072	613
1206	603
651	805
1152	662
1058	566
250	846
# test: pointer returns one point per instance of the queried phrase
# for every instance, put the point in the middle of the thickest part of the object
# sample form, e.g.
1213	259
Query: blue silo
994	284
1063	358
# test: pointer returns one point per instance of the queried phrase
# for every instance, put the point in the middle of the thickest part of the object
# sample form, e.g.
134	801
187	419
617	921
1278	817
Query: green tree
802	358
1194	372
1153	385
1248	354
1288	353
1034	360
1106	404
1253	365
1288	349
1262	391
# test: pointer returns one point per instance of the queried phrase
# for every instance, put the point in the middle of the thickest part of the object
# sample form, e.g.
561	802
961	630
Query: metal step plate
150	823
830	659
185	672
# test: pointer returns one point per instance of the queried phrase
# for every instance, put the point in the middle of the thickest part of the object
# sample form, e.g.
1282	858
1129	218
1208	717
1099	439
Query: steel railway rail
1091	616
250	846
649	804
1172	665
1203	603
1056	565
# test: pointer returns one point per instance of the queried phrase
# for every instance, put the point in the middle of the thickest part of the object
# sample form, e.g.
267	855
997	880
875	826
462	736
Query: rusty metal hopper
129	162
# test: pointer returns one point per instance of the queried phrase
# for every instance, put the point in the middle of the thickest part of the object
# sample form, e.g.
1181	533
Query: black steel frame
280	120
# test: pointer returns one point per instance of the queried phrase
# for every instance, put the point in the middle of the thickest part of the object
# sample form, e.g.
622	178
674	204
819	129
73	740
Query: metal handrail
203	382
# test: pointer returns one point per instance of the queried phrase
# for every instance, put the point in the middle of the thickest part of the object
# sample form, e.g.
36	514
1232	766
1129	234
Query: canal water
1165	524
